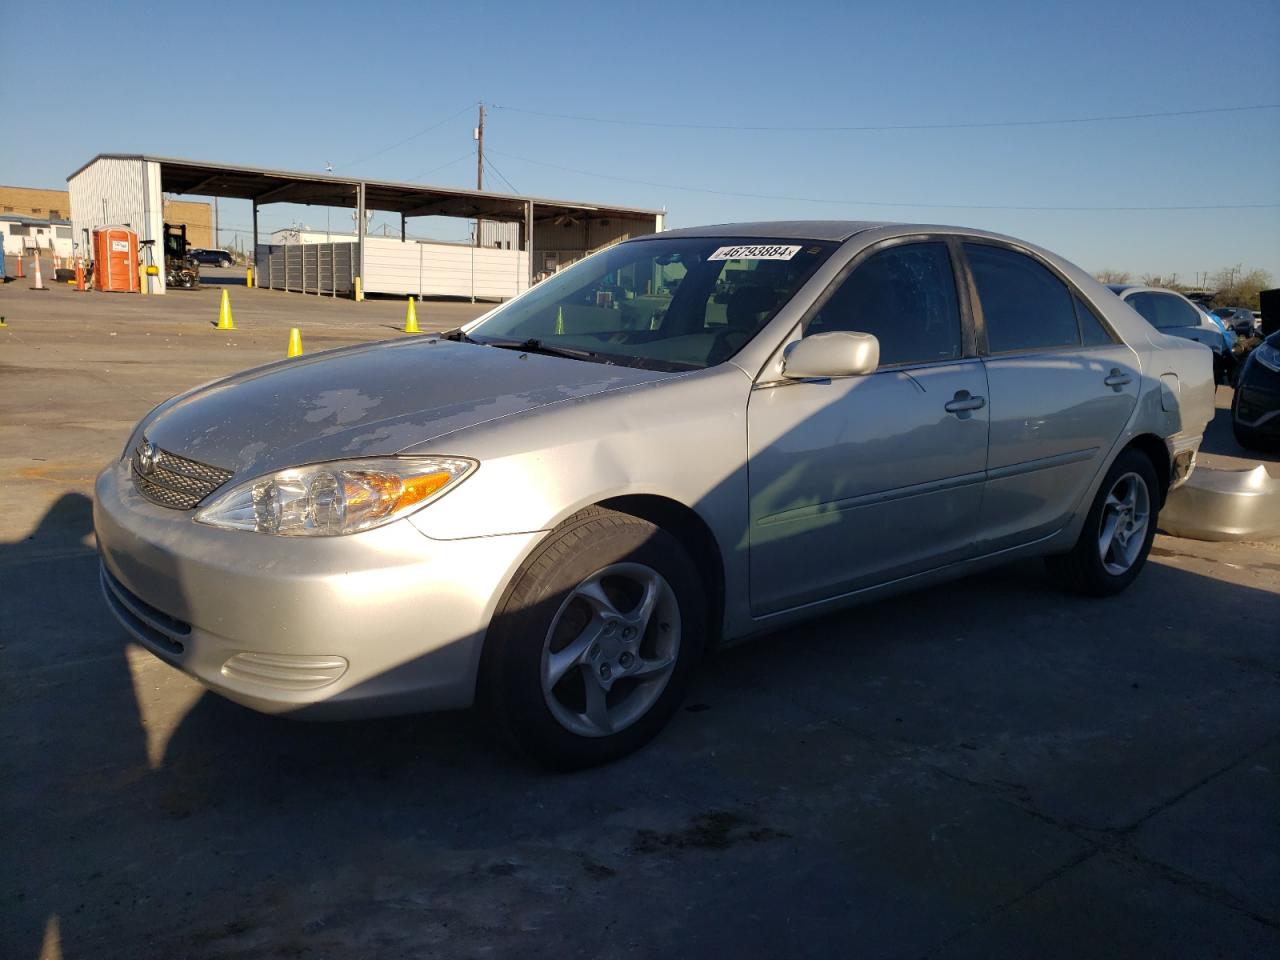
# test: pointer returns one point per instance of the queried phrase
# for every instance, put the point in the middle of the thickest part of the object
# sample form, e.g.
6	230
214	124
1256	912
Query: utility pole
215	223
479	163
328	168
480	149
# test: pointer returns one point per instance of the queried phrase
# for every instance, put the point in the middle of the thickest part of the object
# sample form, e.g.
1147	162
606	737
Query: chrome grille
173	481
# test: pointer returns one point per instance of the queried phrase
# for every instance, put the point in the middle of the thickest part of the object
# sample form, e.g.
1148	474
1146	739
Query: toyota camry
680	441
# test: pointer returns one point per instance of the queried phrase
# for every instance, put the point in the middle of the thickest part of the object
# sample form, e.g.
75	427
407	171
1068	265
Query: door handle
964	402
1117	379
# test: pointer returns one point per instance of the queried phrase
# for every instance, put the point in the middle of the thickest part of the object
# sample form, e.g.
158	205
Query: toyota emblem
146	458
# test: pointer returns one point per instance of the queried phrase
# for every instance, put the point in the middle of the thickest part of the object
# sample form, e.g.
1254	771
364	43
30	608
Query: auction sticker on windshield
756	252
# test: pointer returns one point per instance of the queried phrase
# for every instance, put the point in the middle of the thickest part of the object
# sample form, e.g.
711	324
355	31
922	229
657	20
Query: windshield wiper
458	336
534	345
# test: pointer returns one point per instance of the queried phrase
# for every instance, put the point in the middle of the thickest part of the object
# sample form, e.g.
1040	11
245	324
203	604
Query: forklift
181	270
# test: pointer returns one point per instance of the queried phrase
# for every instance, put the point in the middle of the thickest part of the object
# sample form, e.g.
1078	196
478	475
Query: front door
860	480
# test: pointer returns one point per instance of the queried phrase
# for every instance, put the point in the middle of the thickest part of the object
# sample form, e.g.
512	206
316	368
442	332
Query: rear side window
1025	307
906	296
1164	310
1092	332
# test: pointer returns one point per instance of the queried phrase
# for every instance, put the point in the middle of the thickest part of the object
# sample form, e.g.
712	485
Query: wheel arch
1157	451
688	527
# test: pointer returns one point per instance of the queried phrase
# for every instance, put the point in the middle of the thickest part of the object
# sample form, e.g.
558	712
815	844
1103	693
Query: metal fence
319	268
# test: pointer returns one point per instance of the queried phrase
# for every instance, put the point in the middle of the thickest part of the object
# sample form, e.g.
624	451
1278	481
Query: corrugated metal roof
266	185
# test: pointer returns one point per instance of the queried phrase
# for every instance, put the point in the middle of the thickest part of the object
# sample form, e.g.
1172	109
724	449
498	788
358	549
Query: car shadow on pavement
98	773
893	774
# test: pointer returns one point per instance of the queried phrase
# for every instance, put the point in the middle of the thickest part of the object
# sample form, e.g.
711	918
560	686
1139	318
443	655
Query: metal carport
588	225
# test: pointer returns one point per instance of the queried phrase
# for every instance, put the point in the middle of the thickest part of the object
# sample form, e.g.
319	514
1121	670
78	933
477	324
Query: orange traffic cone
80	274
35	263
19	275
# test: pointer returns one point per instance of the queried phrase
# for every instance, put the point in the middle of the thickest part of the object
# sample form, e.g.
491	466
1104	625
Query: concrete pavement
991	769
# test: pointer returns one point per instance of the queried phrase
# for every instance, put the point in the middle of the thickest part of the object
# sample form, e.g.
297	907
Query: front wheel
593	647
1117	534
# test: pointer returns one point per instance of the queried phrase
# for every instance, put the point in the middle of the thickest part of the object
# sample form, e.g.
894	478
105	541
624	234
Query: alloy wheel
611	649
1122	528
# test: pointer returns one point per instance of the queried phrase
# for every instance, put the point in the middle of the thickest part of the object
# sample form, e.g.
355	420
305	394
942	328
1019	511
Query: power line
500	174
869	128
883	203
465	156
401	143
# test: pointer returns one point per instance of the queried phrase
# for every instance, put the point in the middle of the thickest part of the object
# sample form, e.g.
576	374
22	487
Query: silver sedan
681	441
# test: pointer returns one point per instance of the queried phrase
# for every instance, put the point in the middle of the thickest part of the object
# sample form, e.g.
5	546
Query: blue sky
299	85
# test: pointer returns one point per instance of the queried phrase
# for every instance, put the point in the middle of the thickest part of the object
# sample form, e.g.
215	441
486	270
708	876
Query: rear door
1062	387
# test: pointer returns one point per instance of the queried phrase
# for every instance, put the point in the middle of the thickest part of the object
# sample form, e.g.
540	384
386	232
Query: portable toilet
115	259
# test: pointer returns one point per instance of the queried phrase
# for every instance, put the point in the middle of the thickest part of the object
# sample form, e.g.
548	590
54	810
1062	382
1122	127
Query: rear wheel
594	645
1117	534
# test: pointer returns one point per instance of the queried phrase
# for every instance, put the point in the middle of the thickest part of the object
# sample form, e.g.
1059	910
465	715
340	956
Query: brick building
56	205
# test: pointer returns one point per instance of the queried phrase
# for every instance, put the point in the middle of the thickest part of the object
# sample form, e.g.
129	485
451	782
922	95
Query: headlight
1268	356
331	499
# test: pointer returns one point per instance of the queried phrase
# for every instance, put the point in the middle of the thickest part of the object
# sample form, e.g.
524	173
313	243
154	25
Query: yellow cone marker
224	312
295	343
411	319
559	320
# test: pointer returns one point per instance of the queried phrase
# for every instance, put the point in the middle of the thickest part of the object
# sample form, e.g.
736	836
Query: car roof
1122	288
782	229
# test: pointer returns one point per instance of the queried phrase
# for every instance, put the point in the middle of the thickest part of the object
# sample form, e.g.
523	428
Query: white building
20	236
307	235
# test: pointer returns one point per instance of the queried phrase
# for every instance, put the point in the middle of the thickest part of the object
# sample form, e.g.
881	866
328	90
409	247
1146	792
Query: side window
1163	310
1147	306
906	296
1092	332
1024	305
1186	314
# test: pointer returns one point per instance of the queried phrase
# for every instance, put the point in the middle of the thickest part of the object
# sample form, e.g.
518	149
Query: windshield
669	304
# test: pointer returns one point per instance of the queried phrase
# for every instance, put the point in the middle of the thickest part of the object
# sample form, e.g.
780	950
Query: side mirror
835	354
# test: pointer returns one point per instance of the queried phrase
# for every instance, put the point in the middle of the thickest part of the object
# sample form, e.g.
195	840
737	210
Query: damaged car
681	441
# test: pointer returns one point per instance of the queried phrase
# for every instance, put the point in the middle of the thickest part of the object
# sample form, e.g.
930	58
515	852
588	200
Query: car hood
370	400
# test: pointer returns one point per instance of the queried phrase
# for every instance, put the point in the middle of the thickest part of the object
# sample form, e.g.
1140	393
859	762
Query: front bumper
1257	405
381	622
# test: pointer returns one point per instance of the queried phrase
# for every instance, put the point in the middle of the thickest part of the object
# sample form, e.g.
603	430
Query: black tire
510	681
1082	570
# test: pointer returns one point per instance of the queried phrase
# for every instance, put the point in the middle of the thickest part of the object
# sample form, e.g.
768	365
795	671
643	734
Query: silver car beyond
680	441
